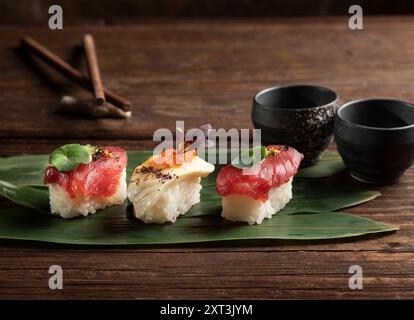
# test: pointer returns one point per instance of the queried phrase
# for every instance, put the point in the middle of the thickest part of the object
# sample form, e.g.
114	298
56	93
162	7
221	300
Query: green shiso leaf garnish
249	157
68	157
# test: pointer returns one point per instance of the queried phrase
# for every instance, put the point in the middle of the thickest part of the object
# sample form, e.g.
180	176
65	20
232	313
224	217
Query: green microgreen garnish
68	157
250	157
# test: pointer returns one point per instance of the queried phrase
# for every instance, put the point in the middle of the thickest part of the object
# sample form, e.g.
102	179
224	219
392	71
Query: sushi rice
61	203
246	209
173	202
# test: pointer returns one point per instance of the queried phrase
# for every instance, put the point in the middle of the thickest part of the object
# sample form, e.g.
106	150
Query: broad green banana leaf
329	164
304	218
117	227
21	182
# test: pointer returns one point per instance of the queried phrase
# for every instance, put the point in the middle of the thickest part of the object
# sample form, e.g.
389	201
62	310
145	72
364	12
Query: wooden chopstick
71	73
93	69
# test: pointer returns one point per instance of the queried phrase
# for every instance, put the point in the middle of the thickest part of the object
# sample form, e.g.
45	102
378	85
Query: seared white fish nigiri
162	192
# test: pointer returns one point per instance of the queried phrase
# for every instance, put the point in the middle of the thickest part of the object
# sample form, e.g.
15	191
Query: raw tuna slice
265	190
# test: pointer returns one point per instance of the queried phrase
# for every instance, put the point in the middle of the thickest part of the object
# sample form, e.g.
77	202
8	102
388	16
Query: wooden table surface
208	71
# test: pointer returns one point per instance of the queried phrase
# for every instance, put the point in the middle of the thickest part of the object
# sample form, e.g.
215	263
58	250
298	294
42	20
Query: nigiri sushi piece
160	193
263	190
83	179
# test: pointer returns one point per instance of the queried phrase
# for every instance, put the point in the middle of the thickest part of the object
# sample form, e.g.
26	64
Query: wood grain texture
207	72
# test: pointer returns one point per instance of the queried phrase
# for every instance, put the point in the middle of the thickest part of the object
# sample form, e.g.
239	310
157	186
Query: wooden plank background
208	71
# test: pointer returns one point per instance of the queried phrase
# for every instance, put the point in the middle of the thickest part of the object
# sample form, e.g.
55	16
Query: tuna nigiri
83	179
261	191
161	191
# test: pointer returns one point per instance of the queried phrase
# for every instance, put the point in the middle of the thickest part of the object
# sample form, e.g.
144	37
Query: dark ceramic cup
375	138
300	116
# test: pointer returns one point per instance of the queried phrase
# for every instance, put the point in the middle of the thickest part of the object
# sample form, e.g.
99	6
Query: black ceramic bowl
375	138
300	116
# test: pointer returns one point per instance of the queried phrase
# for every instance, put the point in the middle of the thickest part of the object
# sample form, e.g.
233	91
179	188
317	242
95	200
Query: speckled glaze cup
301	116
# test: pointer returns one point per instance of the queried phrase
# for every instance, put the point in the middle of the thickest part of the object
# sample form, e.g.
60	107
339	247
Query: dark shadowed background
109	11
